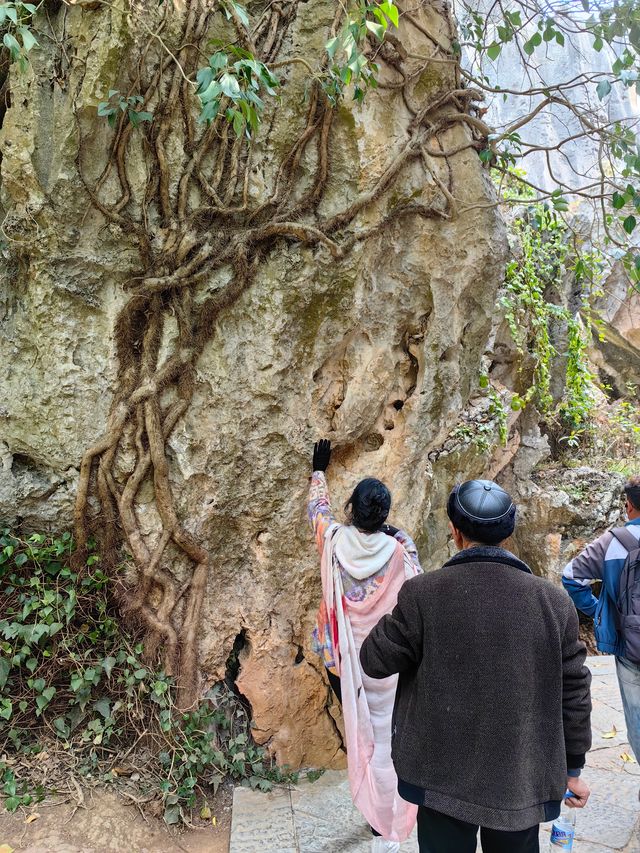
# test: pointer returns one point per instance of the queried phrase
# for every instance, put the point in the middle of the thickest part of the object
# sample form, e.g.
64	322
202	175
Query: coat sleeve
395	644
583	570
576	694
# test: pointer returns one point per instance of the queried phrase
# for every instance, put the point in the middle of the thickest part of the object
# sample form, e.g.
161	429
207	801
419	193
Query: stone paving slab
262	822
319	817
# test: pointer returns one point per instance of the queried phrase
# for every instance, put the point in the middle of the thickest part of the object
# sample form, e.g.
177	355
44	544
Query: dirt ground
106	822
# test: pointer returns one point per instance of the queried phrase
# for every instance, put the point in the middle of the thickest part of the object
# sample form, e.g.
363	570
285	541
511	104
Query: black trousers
438	833
335	685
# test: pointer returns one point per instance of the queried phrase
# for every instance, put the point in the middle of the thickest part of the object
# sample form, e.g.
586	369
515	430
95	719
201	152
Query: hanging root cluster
197	221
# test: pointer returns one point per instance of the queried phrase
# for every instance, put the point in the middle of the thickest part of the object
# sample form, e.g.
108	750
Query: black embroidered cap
482	511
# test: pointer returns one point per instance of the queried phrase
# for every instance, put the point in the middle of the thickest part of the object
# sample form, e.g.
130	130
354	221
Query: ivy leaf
218	61
28	38
332	46
603	88
103	707
212	92
210	111
108	664
238	123
618	201
61	727
45	697
559	38
493	51
171	814
239	10
376	29
5	667
391	12
230	86
629	224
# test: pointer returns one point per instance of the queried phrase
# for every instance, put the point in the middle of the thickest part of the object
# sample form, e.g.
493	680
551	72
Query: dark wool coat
493	701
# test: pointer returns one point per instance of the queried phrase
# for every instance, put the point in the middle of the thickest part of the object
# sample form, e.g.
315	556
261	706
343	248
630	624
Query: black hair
632	491
369	505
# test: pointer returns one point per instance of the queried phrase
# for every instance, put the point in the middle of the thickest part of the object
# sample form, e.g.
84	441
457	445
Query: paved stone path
320	818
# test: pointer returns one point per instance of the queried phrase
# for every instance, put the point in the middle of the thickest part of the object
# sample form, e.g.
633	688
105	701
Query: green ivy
542	259
18	37
71	676
130	106
234	88
538	266
349	66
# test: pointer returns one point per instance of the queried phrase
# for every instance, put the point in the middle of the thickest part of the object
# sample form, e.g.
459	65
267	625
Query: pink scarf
367	703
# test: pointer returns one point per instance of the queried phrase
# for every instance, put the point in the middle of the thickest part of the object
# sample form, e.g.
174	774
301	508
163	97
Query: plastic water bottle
563	829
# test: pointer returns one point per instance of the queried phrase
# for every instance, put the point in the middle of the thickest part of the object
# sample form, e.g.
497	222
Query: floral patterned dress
321	517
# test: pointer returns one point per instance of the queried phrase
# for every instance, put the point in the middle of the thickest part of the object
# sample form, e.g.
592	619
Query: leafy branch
349	63
129	106
234	87
16	16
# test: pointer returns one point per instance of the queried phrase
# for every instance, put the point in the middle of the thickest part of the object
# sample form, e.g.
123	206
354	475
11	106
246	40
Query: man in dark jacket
492	715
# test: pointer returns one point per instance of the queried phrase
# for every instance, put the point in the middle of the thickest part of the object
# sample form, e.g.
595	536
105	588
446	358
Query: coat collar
488	554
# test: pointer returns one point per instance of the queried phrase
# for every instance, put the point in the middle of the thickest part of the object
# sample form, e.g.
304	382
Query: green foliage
14	792
18	38
510	184
498	411
130	106
624	424
234	87
348	63
233	9
531	278
526	310
69	674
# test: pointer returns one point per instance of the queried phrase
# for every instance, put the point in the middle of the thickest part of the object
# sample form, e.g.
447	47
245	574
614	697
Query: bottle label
561	837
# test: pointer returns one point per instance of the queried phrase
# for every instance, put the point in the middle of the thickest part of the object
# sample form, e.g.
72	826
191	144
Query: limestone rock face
560	511
379	351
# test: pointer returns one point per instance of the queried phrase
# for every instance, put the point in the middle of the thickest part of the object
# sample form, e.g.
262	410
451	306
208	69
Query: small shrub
71	676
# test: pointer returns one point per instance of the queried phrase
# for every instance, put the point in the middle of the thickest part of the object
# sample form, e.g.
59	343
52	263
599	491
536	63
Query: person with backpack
492	716
364	563
614	559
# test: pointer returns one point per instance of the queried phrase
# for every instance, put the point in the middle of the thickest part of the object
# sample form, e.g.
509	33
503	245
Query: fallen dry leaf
4	848
612	733
205	812
213	821
32	817
628	759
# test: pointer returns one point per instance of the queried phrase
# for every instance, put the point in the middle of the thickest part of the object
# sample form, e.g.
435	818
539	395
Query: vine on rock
197	221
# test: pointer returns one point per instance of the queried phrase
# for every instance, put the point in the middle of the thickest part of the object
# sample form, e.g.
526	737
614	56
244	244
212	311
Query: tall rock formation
376	346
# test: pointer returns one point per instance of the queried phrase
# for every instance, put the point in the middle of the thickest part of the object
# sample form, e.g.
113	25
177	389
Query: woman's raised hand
321	454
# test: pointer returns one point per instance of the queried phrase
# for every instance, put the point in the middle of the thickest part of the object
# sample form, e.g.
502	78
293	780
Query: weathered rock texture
378	351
